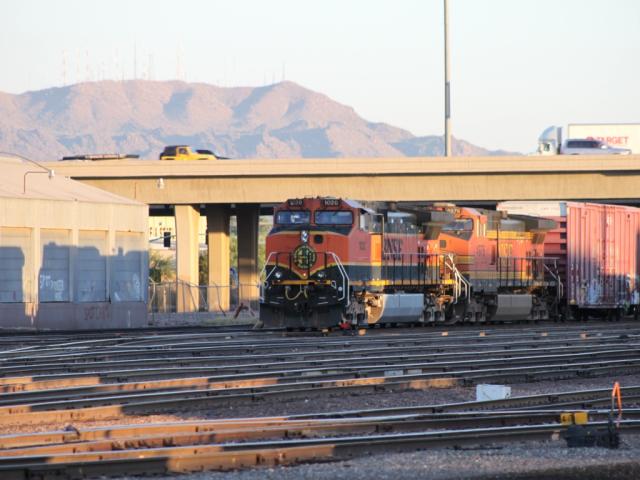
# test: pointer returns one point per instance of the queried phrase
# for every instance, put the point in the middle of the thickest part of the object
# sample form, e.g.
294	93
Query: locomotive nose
304	256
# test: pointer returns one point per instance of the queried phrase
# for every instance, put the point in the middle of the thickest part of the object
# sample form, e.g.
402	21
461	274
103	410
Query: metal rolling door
53	279
15	265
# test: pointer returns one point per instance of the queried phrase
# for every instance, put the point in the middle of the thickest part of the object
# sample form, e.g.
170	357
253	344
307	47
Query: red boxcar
597	250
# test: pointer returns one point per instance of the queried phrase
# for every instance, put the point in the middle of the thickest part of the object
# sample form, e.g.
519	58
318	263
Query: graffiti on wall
127	288
51	289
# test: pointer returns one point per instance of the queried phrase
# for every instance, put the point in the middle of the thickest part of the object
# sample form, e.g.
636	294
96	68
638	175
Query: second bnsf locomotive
335	262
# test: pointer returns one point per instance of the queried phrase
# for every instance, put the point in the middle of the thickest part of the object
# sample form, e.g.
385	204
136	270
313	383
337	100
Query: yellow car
184	152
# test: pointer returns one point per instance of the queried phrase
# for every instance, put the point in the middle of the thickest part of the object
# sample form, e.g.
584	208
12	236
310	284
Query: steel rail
589	398
34	340
230	382
449	349
224	456
155	334
220	348
155	402
555	402
152	436
463	333
94	377
61	370
68	394
22	374
338	370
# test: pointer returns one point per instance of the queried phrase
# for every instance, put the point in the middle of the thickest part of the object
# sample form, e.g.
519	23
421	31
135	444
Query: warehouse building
71	256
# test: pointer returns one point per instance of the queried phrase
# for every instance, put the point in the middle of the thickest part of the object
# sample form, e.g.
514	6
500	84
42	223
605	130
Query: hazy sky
518	66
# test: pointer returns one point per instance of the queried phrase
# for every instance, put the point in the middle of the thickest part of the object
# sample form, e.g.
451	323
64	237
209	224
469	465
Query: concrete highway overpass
401	179
249	183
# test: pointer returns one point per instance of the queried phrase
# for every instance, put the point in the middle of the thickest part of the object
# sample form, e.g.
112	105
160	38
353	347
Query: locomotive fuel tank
512	306
396	307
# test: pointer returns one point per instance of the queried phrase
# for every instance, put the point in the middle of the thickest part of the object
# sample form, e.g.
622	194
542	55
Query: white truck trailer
620	138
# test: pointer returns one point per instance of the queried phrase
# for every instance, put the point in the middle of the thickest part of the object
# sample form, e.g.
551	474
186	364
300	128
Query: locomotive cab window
462	228
370	223
293	217
334	217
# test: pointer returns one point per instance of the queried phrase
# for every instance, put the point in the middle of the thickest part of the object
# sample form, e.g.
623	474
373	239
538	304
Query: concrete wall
72	265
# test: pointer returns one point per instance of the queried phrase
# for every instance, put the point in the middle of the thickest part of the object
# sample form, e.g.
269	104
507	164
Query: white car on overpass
580	146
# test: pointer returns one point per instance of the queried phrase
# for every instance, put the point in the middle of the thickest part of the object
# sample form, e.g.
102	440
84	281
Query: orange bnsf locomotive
333	262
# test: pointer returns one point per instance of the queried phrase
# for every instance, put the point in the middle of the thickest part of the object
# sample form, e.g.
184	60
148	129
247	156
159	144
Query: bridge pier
187	218
218	216
248	216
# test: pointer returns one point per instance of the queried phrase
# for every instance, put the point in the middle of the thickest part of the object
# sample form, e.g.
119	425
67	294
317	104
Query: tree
161	267
203	267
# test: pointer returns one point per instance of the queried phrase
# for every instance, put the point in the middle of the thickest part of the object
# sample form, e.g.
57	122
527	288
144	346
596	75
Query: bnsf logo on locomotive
304	256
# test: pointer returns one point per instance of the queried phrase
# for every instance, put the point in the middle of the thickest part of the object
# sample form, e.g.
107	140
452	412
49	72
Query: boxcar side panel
602	255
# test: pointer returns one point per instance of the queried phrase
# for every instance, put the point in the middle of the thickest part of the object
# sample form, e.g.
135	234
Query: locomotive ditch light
278	275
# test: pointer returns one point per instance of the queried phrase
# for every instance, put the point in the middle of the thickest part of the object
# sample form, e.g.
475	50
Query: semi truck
590	139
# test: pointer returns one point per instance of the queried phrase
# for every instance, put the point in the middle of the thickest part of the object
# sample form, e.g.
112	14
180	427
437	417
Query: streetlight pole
48	171
447	84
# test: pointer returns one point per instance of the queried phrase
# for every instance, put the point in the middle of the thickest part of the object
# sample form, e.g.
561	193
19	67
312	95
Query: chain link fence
167	297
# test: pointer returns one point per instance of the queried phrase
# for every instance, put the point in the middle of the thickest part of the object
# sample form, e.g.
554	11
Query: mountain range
283	120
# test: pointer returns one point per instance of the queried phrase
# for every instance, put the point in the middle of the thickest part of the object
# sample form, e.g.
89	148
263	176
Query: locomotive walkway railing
551	268
345	278
425	269
462	285
527	271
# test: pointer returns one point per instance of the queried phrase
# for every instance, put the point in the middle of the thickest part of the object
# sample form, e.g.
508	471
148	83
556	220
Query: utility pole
447	84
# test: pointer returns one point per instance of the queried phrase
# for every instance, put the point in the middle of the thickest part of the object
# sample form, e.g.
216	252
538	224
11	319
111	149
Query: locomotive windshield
462	228
459	225
334	217
293	217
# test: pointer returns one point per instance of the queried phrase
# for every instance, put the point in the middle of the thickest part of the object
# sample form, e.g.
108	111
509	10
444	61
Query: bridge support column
187	246
219	293
247	218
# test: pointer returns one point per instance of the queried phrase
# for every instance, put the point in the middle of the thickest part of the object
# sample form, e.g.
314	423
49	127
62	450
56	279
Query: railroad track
237	443
238	363
228	346
72	379
10	339
32	341
106	378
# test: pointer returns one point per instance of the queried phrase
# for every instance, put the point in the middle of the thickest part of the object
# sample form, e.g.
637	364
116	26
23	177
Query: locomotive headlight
304	236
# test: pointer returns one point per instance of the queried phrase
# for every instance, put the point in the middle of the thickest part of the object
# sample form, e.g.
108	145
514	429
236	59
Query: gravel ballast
518	460
539	460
